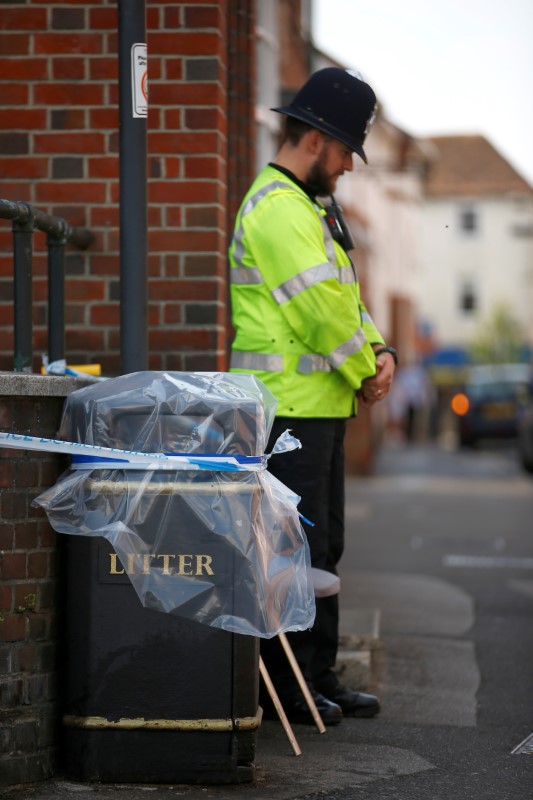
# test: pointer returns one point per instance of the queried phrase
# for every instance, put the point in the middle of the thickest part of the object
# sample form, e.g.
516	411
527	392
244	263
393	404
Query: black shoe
297	710
354	704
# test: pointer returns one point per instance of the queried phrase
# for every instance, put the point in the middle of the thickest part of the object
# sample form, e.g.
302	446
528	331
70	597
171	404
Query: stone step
358	644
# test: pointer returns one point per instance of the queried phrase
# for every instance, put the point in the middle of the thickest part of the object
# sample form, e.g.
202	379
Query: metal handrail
59	232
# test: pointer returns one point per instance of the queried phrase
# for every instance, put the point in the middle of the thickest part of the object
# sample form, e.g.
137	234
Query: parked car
488	406
525	430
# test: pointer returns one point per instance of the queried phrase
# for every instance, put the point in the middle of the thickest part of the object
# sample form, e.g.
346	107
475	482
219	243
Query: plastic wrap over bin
219	547
153	697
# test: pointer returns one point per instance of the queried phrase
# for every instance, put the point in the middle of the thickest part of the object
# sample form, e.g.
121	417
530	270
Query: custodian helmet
337	103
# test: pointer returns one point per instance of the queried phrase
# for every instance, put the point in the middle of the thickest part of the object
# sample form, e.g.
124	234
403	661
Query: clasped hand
378	386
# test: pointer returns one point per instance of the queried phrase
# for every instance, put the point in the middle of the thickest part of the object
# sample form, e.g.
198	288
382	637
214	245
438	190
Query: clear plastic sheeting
222	548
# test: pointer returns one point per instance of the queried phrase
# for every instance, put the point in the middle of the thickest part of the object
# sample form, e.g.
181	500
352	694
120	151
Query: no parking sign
139	79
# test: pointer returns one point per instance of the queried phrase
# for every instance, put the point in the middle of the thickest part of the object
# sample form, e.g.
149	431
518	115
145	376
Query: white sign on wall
139	80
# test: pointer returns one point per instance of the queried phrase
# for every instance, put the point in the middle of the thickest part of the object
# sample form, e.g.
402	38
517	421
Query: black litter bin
151	696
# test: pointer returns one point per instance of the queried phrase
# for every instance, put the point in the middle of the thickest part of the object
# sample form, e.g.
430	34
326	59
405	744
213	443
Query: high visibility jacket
300	324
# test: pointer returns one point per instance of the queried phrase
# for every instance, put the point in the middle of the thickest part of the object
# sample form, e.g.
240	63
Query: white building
477	241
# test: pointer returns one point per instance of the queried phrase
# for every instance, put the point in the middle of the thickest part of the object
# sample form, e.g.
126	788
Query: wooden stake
279	708
302	683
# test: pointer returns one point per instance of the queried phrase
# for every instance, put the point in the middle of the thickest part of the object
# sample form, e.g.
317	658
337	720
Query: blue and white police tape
92	456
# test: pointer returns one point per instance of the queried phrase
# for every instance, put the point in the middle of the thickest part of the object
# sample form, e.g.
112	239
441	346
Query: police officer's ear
314	141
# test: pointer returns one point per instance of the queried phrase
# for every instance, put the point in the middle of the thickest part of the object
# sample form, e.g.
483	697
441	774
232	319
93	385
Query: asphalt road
440	553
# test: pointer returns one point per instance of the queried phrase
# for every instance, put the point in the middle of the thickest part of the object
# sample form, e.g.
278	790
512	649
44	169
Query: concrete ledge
28	384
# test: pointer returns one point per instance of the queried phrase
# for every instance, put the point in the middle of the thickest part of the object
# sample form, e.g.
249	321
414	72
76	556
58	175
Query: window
468	300
468	220
267	82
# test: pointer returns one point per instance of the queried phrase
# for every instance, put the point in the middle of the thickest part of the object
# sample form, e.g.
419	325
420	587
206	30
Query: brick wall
58	151
29	625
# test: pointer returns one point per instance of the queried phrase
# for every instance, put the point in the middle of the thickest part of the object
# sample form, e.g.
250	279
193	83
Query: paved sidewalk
331	761
337	760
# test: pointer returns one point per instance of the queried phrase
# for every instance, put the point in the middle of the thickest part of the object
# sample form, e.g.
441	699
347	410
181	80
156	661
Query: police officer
303	329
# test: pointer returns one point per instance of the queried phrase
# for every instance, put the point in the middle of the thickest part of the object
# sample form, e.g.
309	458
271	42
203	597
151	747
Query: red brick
47	535
66	143
183	192
174	69
201	118
24	68
7	538
68	68
64	192
13	628
103	216
18	190
172	313
173	167
7	474
83	341
12	566
103	18
6	598
23	167
172	17
37	565
184	290
190	94
23	19
184	43
12	44
202	17
108	314
68	119
68	94
161	240
26	535
103	167
27	474
182	142
55	43
84	289
104	118
203	167
14	94
181	338
28	658
174	216
204	217
103	69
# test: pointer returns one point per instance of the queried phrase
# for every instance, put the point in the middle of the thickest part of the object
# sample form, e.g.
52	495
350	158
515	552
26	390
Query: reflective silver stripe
347	274
267	362
309	277
238	247
312	362
245	275
365	316
328	240
348	348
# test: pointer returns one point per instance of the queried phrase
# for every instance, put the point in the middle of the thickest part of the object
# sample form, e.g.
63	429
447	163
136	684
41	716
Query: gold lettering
166	563
184	565
146	563
114	564
188	564
204	563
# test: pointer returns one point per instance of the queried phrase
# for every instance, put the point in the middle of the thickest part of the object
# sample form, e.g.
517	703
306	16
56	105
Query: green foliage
499	338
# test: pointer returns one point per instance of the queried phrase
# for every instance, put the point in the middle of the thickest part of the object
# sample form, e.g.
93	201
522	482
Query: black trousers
316	473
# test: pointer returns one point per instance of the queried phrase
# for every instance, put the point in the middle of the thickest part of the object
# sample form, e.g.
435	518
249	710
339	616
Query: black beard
317	182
